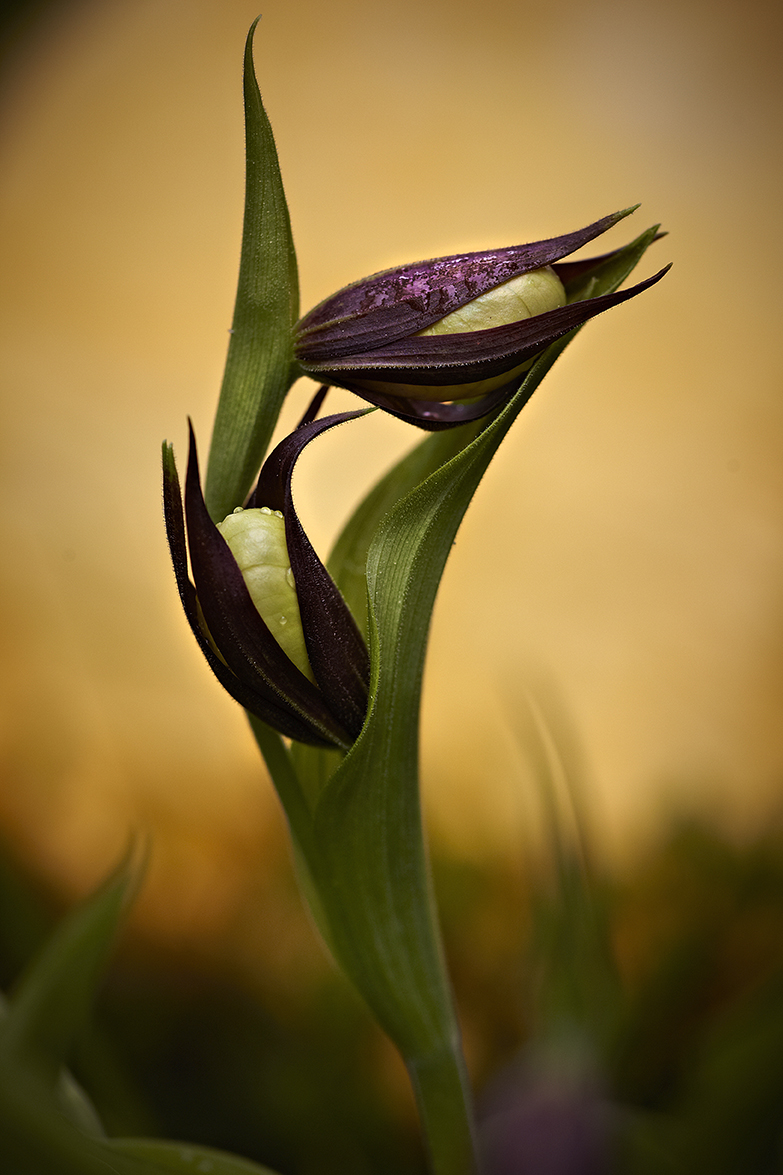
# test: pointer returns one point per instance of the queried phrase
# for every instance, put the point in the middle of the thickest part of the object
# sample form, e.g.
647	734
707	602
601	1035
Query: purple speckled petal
400	302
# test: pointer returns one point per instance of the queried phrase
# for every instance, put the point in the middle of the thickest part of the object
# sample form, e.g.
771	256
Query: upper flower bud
424	341
265	611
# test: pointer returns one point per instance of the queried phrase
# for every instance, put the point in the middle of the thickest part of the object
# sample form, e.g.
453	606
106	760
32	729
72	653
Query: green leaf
368	819
259	367
348	566
71	1099
348	561
76	1105
185	1158
51	1003
367	822
35	1138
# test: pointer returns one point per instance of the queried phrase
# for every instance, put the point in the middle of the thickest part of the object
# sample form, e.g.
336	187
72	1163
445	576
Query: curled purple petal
335	647
435	415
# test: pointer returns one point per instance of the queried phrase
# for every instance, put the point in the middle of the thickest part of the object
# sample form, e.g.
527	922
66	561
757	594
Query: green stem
443	1100
438	1077
285	781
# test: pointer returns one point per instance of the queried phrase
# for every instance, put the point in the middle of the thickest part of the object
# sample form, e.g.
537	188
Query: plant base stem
443	1099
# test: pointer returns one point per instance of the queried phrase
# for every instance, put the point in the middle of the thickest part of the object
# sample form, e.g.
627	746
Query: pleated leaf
372	871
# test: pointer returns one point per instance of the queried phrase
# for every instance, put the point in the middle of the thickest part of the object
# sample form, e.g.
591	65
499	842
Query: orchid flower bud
267	615
423	341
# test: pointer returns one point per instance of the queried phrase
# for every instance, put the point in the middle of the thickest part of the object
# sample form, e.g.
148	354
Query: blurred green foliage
691	1053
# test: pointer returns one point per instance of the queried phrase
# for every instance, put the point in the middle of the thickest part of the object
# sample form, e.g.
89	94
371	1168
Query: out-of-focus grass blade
731	1116
47	1123
182	1157
69	1095
51	1003
36	1139
260	356
576	984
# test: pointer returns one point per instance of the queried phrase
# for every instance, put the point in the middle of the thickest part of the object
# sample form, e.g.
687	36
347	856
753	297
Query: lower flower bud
256	539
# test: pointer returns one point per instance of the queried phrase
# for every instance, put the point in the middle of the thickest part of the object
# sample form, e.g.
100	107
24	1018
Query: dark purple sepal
444	360
399	302
235	625
575	273
262	704
335	647
435	415
539	332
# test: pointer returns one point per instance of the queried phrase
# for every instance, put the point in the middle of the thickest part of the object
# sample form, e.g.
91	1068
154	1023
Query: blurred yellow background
625	548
